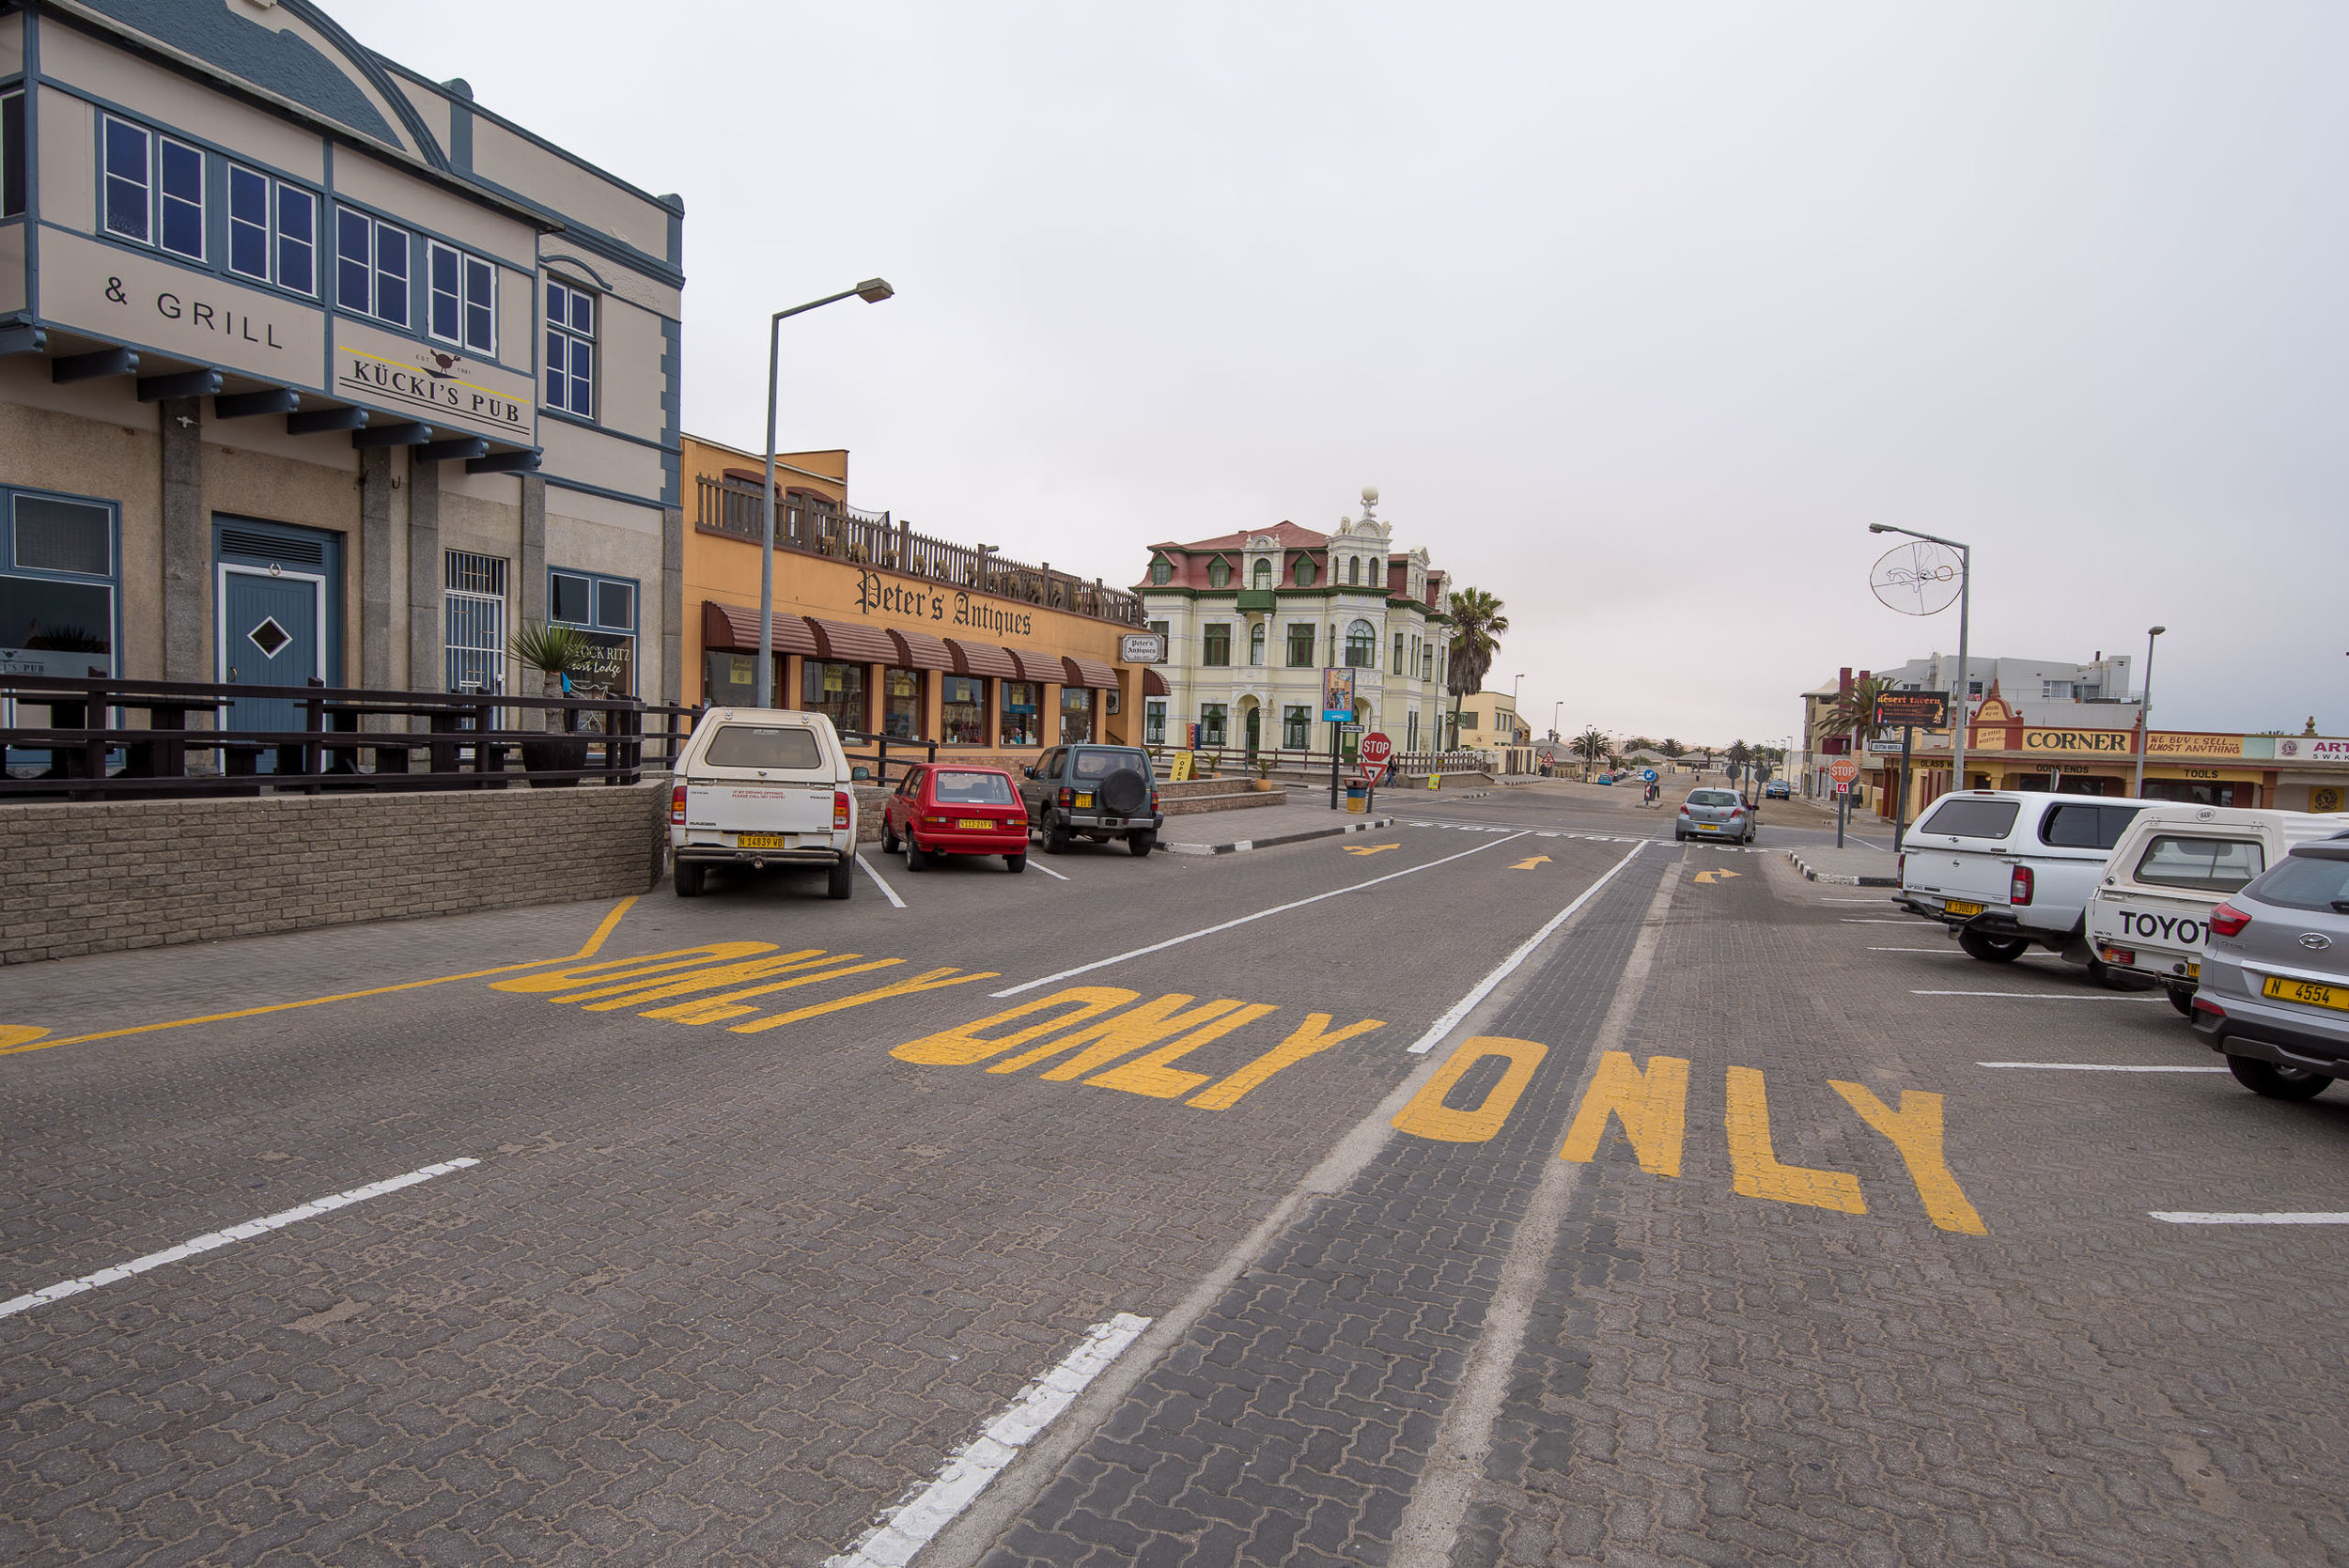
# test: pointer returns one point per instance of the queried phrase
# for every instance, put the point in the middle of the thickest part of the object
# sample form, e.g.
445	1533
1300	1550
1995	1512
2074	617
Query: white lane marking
1243	920
213	1239
887	892
1483	988
1048	870
2094	1067
906	1529
2039	996
2188	1217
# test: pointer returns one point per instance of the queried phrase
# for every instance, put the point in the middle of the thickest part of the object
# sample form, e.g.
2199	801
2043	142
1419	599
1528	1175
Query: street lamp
872	291
2145	710
1964	608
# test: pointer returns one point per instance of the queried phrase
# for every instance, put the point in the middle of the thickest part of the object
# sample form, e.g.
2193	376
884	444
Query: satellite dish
1917	579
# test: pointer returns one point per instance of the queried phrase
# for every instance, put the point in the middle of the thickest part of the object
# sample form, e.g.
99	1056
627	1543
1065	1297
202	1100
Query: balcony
872	539
1255	598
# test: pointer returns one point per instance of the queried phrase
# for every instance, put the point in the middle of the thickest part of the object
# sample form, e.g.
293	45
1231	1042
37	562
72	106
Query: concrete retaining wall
92	877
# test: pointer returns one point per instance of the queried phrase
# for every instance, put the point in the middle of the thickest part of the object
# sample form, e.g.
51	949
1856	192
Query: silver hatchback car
1714	813
2275	984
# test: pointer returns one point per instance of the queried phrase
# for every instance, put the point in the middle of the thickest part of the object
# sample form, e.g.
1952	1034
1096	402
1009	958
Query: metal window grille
475	638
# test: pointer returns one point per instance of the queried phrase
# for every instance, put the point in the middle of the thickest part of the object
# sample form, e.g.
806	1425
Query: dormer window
1304	572
1218	573
1353	569
1261	577
1161	572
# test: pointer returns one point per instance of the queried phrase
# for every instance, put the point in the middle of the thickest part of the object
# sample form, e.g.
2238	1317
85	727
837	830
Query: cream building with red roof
1253	618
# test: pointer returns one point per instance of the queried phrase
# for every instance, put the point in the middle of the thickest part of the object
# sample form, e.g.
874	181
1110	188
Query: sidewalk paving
1855	864
1230	832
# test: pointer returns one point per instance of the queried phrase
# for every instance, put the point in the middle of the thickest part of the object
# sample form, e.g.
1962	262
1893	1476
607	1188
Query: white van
2009	870
2172	865
758	788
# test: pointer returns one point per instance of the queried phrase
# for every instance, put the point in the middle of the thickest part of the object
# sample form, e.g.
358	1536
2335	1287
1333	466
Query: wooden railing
737	507
115	737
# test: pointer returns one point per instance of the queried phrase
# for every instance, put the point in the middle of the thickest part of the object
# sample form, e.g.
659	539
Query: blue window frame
371	267
181	168
248	223
129	152
12	154
297	239
255	239
603	610
58	573
462	299
570	349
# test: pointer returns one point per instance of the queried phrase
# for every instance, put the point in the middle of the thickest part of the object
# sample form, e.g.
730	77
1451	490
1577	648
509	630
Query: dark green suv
1094	792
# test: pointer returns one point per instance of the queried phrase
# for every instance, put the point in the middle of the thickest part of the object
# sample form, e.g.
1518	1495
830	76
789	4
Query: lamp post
872	291
2145	710
1964	608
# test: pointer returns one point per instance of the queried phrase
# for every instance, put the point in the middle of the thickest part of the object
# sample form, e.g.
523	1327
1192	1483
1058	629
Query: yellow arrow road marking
1370	849
1709	878
1528	865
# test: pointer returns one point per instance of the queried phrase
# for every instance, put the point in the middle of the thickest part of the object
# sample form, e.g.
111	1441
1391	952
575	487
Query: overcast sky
1636	315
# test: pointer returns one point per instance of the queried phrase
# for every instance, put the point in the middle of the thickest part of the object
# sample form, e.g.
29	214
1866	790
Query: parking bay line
2188	1217
2096	1067
906	1529
1243	920
887	892
215	1239
2039	996
1048	870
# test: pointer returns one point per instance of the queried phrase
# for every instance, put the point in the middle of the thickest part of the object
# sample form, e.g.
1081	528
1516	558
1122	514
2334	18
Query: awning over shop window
1037	666
854	645
983	658
1088	672
1153	684
734	628
919	650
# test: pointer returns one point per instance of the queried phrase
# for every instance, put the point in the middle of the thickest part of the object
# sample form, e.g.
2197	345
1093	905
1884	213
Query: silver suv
2275	982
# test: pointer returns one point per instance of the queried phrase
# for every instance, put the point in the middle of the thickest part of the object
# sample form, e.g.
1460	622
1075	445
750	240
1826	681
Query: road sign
1884	746
1843	770
1337	695
1647	775
1842	787
1376	748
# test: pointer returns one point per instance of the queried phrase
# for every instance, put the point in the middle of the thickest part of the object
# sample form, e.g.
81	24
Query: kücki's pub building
312	368
895	633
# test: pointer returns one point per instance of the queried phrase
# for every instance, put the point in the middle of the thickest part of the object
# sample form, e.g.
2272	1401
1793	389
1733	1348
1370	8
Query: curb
1243	845
1803	866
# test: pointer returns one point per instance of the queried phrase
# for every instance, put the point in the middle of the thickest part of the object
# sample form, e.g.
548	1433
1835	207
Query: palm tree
1477	625
1590	746
1854	711
1673	749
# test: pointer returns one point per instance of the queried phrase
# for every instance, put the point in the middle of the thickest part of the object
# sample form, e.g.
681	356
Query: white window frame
371	308
480	603
107	174
468	267
567	337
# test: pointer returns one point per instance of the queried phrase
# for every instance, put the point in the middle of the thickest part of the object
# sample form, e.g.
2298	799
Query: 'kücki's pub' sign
1924	710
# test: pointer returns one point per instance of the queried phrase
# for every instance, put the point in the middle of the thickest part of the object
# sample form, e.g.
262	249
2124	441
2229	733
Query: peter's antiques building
311	368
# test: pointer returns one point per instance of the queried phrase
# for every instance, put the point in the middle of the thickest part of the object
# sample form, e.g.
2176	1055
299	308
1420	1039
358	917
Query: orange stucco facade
890	633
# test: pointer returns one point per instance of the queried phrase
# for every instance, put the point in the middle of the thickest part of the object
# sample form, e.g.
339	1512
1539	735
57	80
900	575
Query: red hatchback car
946	809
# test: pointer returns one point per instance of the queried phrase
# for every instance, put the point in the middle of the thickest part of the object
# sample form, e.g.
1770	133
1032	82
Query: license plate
1958	907
1085	800
2193	971
1708	826
2335	997
979	823
762	841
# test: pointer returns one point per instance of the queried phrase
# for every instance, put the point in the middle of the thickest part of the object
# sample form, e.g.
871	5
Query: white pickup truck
2009	870
2169	868
761	787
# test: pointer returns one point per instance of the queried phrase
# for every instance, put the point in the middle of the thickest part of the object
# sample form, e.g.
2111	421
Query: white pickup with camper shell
2173	865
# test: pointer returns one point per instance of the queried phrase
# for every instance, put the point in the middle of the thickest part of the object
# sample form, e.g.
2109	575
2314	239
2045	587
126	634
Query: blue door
269	637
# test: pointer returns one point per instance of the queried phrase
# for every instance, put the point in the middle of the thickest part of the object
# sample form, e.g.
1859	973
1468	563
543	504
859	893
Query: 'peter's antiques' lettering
877	596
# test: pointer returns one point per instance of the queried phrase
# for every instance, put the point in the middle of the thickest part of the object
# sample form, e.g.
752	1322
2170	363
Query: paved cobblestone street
780	1205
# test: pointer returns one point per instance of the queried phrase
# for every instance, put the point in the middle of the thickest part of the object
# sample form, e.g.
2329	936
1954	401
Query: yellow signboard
1180	768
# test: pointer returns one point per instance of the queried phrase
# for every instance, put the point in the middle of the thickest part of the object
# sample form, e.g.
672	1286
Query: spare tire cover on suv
1124	792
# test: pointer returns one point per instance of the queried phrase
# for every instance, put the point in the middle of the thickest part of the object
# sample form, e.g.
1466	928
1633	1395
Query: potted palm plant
1263	771
554	652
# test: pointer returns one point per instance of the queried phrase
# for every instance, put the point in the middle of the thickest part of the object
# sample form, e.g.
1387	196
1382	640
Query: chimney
1842	681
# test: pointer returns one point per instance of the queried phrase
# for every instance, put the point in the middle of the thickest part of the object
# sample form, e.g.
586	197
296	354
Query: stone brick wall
91	878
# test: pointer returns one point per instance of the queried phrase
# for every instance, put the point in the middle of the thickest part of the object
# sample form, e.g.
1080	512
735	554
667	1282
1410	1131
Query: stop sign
1843	770
1376	749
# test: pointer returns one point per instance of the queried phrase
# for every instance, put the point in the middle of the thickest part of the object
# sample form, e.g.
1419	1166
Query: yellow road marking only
1370	849
24	1037
1528	865
1709	878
